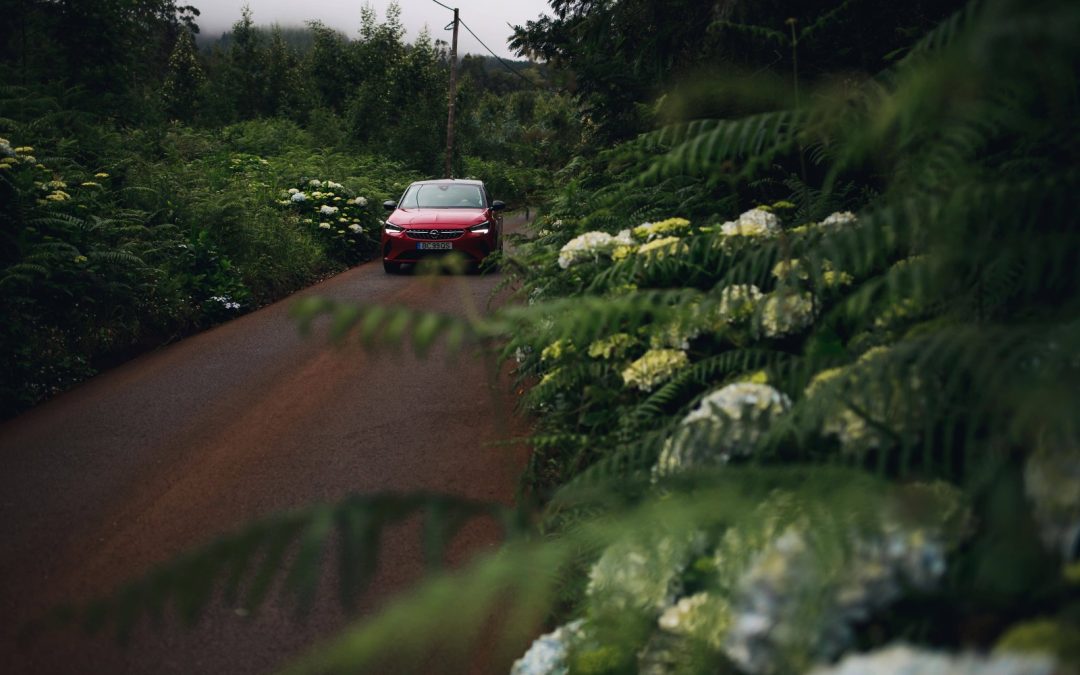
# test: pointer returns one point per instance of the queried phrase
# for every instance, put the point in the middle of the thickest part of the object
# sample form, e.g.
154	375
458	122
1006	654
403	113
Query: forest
798	319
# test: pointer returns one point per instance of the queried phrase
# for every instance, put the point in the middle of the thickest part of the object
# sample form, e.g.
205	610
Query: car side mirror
389	205
498	205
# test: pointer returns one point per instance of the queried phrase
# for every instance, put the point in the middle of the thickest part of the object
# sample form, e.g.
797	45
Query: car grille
434	234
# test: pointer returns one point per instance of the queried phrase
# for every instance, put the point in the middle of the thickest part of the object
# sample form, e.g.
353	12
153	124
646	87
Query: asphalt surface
169	450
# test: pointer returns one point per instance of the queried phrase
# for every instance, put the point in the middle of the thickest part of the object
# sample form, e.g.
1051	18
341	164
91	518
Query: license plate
435	245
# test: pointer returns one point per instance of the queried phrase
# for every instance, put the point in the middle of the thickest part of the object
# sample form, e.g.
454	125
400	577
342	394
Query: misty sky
487	18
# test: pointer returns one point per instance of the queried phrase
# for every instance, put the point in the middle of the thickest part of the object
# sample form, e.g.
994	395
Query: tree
284	85
330	68
185	77
248	66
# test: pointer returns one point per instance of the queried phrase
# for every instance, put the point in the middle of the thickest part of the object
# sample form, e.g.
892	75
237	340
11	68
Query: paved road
180	445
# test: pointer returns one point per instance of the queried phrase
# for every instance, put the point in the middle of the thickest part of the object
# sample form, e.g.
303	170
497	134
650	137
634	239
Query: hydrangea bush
341	219
794	587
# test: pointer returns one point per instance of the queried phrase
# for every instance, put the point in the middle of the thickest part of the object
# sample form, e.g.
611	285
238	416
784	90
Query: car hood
438	218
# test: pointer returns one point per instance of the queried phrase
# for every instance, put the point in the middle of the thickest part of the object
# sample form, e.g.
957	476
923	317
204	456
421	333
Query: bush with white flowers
752	223
654	367
339	219
726	424
588	247
548	653
904	660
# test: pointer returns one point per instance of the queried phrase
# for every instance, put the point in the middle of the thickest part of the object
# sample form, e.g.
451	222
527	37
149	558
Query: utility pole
453	98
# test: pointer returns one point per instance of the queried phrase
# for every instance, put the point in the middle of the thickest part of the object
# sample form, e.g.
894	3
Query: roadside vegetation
144	182
800	327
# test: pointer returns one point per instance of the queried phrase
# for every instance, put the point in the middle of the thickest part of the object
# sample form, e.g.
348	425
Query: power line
504	64
497	58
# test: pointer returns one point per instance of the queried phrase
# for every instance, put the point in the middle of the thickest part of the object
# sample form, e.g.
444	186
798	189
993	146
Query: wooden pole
453	98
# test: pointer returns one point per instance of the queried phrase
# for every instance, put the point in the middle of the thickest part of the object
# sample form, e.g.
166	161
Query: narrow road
248	419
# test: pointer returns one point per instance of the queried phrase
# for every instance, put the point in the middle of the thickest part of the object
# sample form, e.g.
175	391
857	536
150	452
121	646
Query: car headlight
390	227
482	228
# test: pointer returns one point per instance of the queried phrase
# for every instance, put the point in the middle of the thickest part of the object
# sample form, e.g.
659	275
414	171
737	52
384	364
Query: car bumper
403	248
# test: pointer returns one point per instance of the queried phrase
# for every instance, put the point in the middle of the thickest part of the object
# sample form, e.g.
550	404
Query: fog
487	18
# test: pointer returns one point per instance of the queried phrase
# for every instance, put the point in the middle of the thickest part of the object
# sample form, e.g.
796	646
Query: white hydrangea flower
327	210
706	617
795	603
1052	483
727	423
334	186
611	347
360	201
642	573
355	228
790	270
663	228
888	394
293	191
755	222
903	660
787	313
661	248
315	183
299	197
654	367
548	653
585	247
839	219
324	226
739	302
625	238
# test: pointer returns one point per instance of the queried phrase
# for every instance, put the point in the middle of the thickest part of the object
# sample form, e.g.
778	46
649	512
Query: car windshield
443	196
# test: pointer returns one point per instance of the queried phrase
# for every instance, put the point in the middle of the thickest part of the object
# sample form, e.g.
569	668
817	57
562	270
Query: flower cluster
333	209
879	391
586	247
738	303
641	573
787	313
225	301
612	347
654	367
911	661
753	223
591	246
678	333
727	423
704	616
790	270
800	597
548	653
1052	483
833	278
243	163
556	350
664	228
839	219
658	249
795	604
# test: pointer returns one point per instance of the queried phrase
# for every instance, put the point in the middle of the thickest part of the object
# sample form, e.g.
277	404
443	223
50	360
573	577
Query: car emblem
434	233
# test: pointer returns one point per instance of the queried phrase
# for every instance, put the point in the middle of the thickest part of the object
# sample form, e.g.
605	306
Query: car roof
449	181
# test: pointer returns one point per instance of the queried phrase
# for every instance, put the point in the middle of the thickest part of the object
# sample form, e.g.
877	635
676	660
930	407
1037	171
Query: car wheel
391	267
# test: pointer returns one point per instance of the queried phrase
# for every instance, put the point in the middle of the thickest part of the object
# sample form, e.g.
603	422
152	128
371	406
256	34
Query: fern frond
288	548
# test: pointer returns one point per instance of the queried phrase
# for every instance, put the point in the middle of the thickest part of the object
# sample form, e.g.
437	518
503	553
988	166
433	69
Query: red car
435	217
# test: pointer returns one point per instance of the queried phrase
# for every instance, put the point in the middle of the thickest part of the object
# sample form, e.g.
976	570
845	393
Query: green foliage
116	243
927	341
289	547
804	379
183	82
